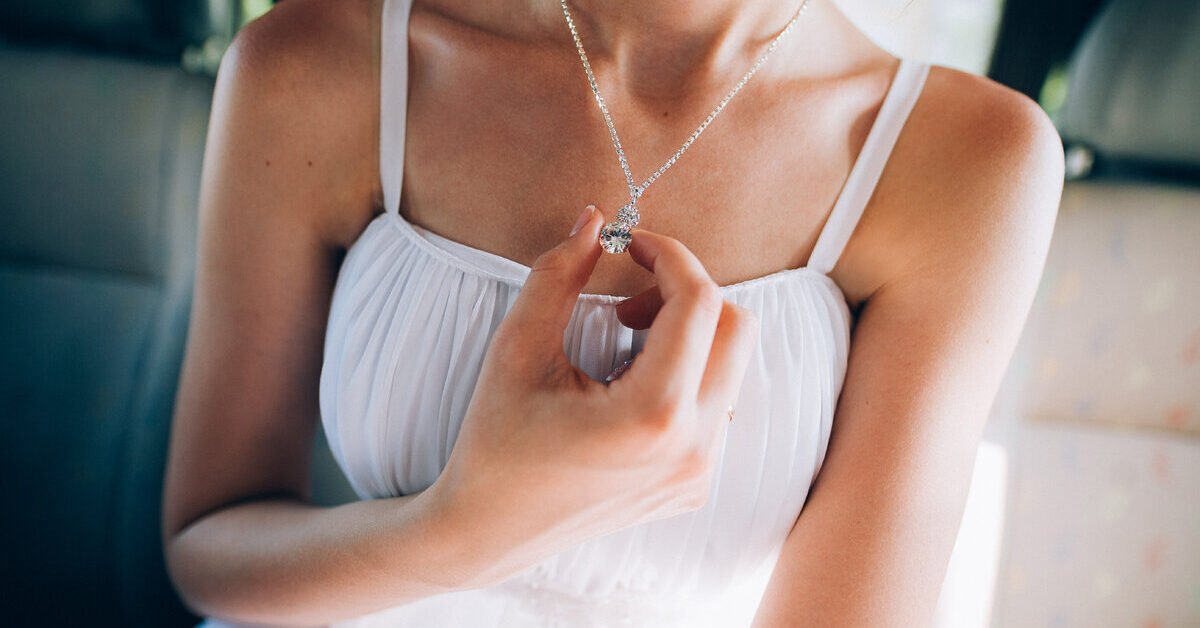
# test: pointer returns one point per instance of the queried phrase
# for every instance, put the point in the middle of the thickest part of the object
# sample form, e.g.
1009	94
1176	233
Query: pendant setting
629	214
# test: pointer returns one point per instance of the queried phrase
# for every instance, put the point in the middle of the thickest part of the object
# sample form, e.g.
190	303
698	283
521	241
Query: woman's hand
548	457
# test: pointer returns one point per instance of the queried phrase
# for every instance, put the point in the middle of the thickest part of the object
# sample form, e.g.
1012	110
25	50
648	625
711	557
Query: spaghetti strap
902	94
393	98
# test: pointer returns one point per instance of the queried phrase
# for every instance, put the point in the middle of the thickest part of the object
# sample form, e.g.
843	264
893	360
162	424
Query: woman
381	181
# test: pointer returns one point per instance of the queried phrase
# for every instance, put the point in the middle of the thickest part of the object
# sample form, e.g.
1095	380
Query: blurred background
1085	504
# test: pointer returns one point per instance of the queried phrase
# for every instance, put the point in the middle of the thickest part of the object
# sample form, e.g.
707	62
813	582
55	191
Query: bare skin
504	147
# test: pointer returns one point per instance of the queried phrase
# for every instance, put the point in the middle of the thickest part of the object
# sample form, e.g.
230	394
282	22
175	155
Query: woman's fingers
734	341
697	346
539	315
677	345
733	345
639	310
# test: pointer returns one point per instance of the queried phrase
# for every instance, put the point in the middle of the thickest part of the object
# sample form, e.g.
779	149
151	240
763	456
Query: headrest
146	27
1134	84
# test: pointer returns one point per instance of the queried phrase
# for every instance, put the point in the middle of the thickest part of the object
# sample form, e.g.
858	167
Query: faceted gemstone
615	237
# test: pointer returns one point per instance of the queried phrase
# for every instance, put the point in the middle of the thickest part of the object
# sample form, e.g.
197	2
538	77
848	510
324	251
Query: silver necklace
615	236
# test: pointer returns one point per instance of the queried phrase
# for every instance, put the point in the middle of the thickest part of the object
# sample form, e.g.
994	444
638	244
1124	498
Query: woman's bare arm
290	172
930	349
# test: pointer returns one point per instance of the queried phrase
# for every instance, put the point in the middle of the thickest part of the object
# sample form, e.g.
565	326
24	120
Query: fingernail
583	218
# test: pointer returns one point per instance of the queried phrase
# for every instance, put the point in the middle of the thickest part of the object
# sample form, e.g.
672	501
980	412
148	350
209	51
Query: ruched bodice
410	321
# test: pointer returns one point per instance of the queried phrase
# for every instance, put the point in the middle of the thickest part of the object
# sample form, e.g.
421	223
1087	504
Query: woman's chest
504	148
410	326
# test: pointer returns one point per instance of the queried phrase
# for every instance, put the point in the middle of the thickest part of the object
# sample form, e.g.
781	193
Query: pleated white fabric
411	317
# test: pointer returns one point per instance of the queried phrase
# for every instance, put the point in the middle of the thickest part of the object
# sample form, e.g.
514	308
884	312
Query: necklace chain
628	216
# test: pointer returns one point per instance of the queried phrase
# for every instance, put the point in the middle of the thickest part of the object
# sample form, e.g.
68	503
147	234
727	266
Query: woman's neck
667	49
674	44
622	27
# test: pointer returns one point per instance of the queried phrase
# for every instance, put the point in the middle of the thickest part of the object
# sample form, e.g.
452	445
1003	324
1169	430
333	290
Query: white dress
411	316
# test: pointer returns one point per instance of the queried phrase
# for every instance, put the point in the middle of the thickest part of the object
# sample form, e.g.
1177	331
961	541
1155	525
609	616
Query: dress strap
393	98
902	94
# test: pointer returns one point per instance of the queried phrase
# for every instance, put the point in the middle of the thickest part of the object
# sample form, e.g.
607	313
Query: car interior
1083	509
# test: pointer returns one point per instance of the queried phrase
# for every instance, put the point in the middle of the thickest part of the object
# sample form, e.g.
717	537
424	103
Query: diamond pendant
615	236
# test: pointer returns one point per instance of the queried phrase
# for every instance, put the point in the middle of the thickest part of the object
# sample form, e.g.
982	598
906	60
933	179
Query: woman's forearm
286	562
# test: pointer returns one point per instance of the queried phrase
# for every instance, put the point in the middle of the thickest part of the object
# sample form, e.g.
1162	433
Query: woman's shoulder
311	35
975	164
994	111
301	82
973	138
988	151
